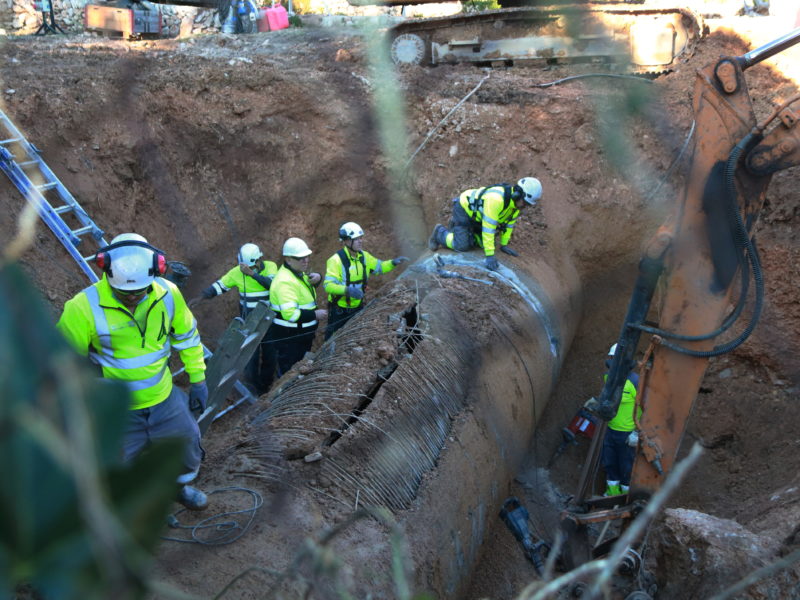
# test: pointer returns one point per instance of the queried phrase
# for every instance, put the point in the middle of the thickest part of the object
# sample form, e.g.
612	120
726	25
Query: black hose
747	253
586	75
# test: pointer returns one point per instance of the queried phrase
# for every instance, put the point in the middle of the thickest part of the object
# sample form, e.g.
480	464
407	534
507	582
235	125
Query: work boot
437	237
192	498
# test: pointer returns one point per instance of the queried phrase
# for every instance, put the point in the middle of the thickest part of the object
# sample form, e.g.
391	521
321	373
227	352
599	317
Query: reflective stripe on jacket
135	349
336	279
250	290
492	215
293	299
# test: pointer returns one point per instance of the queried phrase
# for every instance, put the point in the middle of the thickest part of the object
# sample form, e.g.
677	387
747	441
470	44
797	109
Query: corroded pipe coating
426	403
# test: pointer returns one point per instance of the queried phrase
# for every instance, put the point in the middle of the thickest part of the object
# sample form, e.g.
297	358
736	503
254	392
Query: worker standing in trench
126	323
252	277
293	297
621	439
346	276
480	214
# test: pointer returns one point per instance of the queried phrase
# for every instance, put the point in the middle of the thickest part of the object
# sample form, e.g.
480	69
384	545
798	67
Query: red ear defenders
159	267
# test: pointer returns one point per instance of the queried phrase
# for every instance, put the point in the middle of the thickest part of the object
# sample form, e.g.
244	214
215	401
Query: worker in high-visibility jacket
252	277
127	323
346	276
294	299
621	438
480	214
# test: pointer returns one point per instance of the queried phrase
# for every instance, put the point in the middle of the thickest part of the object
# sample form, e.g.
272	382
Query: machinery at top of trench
630	36
702	254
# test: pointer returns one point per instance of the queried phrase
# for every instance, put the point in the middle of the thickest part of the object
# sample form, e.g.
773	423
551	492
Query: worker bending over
346	276
480	214
294	300
252	277
126	323
621	439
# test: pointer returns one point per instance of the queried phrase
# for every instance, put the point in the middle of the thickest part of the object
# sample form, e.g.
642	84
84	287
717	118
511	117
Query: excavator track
637	40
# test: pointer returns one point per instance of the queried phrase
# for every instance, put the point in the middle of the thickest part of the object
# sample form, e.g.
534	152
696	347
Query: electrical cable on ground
586	75
228	531
443	121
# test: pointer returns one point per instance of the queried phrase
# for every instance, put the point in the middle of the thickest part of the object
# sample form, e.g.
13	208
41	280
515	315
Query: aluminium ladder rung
84	230
52	216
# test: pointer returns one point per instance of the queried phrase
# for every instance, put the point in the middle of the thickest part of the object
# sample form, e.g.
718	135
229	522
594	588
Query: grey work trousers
170	418
464	229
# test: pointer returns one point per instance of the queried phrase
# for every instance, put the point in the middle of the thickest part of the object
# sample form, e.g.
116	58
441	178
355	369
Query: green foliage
479	5
302	7
74	521
295	21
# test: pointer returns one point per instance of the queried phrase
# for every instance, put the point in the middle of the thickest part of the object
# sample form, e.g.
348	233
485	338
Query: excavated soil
203	144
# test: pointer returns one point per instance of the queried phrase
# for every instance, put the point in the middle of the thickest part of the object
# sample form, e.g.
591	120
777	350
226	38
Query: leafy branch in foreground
74	521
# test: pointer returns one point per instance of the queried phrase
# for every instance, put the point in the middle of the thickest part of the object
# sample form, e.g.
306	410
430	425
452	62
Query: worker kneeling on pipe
480	214
346	276
127	323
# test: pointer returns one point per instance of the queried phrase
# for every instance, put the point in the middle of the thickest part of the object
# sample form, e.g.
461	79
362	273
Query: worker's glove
491	263
509	251
198	397
633	439
354	291
399	259
591	404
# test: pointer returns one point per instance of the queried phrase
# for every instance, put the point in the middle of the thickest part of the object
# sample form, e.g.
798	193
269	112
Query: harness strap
343	256
476	200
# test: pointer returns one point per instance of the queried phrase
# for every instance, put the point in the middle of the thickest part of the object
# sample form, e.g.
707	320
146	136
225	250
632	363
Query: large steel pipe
425	403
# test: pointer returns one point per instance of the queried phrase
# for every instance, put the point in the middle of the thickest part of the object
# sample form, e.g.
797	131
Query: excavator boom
705	257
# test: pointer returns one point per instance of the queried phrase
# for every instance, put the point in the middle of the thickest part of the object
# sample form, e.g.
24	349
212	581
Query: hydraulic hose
747	252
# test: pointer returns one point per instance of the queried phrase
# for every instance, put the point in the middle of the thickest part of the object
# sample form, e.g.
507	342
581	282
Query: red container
263	23
277	17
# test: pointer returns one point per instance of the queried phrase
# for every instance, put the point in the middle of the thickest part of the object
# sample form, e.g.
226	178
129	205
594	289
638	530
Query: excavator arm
704	257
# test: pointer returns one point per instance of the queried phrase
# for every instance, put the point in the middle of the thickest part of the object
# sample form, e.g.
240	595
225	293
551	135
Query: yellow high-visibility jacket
362	264
293	299
492	212
250	290
623	420
135	348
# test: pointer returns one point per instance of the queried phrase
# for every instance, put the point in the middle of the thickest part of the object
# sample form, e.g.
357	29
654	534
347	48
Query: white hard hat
131	266
612	350
296	248
531	189
249	254
350	231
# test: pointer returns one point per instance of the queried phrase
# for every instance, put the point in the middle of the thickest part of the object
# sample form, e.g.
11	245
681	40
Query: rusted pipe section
426	403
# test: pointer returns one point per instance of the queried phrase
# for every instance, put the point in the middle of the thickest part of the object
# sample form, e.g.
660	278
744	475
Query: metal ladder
21	161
